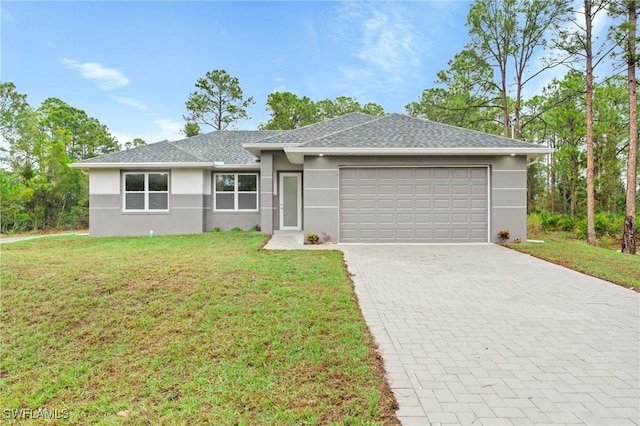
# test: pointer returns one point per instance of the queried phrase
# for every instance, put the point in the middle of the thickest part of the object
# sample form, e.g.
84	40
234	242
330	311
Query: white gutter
296	154
166	165
142	165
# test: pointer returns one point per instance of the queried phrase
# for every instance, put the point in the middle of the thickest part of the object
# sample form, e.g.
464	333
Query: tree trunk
564	193
552	177
573	178
505	103
630	225
516	112
591	211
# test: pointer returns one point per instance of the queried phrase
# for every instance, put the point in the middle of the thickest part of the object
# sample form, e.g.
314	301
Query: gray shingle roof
317	130
211	147
353	131
402	131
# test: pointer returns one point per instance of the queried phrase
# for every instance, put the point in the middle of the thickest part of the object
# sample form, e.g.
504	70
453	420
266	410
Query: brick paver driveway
485	335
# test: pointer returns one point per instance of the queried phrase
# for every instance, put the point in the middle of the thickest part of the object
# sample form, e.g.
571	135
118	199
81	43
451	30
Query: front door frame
282	175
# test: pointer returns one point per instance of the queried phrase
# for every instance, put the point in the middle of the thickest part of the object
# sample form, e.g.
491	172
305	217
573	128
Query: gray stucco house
358	178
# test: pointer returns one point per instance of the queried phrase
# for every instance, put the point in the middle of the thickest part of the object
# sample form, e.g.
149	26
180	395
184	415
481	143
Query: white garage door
419	205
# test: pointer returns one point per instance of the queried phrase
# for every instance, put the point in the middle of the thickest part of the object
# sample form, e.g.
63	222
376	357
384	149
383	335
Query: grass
203	329
601	262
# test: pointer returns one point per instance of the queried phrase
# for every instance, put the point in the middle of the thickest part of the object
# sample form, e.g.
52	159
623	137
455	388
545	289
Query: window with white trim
146	191
235	192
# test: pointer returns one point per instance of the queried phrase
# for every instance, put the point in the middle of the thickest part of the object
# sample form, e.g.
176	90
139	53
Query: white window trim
145	192
236	192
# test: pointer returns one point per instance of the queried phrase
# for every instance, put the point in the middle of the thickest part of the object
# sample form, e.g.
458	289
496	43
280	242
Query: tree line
588	113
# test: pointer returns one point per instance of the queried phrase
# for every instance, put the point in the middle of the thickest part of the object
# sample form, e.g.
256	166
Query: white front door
290	201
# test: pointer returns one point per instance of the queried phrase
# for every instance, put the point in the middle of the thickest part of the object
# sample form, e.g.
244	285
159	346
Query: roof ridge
373	119
173	144
471	130
312	124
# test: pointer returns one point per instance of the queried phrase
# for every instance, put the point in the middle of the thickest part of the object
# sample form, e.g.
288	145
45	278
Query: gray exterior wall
271	165
190	207
191	197
106	217
507	189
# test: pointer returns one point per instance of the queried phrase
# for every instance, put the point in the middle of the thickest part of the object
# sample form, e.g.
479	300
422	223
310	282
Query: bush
312	238
549	221
255	228
534	225
566	223
504	235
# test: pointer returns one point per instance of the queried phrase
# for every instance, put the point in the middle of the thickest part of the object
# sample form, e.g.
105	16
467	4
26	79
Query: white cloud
132	102
122	138
382	40
105	78
169	128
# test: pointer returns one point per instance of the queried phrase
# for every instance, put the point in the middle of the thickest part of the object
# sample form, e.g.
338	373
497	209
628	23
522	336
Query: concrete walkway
483	335
33	237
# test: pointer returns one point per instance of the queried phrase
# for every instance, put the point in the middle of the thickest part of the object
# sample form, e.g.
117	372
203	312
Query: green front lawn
202	329
621	269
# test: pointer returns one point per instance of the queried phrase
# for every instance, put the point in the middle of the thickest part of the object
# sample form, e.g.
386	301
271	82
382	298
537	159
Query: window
237	192
146	191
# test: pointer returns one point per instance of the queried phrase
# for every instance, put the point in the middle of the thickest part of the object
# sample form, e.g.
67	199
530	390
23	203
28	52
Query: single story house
357	178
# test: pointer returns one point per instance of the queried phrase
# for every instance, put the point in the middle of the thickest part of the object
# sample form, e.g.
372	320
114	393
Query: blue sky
132	65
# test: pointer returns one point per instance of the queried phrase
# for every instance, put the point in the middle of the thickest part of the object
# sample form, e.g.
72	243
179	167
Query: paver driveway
485	335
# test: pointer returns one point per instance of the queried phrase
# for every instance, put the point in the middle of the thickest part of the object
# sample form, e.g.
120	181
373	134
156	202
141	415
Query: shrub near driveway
185	329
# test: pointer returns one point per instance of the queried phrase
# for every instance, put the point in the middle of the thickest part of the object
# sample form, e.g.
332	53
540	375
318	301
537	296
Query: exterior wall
507	186
271	164
191	196
107	217
267	182
509	196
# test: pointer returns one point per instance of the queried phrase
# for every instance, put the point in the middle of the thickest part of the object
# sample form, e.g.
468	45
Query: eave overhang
166	165
257	148
296	154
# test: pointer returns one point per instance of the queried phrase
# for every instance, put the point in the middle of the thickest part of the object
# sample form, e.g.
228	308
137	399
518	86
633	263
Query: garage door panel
460	203
478	218
478	189
421	189
421	203
425	234
477	234
460	190
423	218
414	205
404	218
386	204
404	203
440	189
386	218
442	174
425	173
366	204
460	174
477	203
386	189
459	218
440	203
479	173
